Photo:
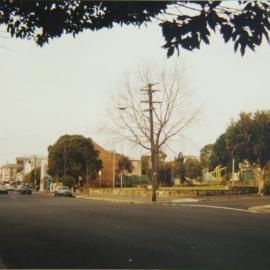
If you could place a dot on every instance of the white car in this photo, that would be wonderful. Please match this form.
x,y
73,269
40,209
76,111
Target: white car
x,y
63,191
10,187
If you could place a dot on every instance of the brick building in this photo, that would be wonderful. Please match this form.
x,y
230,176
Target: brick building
x,y
110,161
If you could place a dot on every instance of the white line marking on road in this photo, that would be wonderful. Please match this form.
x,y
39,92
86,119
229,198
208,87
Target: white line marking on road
x,y
218,207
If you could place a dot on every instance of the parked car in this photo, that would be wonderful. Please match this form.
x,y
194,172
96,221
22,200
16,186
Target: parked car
x,y
63,191
10,187
3,190
18,188
25,190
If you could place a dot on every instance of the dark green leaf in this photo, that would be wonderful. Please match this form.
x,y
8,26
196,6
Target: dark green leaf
x,y
170,51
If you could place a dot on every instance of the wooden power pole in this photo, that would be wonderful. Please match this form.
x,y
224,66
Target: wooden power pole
x,y
154,155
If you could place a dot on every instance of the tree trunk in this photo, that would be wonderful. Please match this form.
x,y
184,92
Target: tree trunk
x,y
154,191
259,177
154,174
261,182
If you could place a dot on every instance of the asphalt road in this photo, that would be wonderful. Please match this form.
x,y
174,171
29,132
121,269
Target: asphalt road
x,y
41,231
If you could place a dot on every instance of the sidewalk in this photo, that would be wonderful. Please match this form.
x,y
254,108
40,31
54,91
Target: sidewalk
x,y
120,199
264,209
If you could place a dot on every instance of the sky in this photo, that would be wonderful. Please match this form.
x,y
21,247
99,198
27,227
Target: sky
x,y
66,87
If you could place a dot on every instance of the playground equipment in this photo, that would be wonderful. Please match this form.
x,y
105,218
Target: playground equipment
x,y
245,170
217,172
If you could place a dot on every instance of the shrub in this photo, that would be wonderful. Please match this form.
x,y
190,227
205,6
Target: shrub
x,y
267,188
68,181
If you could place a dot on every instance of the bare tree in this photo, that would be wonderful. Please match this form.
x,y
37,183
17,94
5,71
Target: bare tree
x,y
170,103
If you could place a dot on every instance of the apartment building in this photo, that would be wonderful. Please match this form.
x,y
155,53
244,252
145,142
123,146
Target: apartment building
x,y
28,163
8,173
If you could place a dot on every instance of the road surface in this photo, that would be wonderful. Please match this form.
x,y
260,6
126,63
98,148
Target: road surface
x,y
42,231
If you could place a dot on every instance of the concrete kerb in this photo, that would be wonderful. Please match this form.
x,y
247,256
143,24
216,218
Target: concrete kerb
x,y
111,199
140,200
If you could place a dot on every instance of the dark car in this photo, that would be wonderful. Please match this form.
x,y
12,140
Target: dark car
x,y
25,190
3,190
63,191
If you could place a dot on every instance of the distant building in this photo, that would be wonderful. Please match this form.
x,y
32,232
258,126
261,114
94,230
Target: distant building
x,y
44,175
29,163
109,162
26,164
137,168
8,173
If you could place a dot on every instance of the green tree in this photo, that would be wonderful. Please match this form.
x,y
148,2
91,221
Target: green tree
x,y
146,165
68,181
164,168
179,170
161,158
124,165
238,136
205,155
193,168
184,24
74,156
249,137
220,155
165,171
33,177
164,176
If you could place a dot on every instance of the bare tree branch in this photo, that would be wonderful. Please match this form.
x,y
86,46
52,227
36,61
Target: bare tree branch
x,y
172,111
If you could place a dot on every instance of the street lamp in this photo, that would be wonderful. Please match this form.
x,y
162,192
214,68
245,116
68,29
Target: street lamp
x,y
113,169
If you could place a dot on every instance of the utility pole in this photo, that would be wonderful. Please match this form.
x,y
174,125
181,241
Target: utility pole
x,y
233,171
149,90
65,158
113,172
87,173
35,172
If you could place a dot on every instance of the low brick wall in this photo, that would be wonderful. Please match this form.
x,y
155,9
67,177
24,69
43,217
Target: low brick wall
x,y
244,190
169,192
129,192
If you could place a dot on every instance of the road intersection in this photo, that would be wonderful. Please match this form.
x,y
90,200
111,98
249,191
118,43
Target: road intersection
x,y
42,231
